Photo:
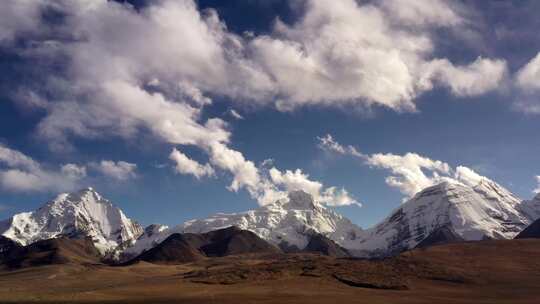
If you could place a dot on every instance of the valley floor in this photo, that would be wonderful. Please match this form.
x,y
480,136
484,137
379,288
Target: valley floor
x,y
471,272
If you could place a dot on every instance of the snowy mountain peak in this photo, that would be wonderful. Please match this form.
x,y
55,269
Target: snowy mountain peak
x,y
299,200
486,210
153,229
77,214
288,223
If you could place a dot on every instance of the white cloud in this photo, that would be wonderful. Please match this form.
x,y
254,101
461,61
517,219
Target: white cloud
x,y
235,114
154,71
468,176
268,185
13,158
527,81
18,17
345,54
528,77
119,170
186,165
480,76
424,12
328,143
245,173
123,108
337,54
20,173
537,190
74,171
410,173
297,180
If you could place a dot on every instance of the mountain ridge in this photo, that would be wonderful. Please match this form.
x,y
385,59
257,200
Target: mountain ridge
x,y
483,211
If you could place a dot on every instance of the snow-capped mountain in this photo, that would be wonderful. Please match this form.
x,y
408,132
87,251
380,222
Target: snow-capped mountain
x,y
485,211
83,213
289,222
482,211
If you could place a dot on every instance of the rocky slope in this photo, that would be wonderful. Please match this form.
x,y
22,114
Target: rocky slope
x,y
320,244
74,215
531,232
53,251
190,247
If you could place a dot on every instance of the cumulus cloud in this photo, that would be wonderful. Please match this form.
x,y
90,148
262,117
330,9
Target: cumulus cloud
x,y
269,185
119,170
528,85
297,180
410,173
424,12
345,53
154,72
480,76
74,171
21,173
186,165
337,54
18,17
528,76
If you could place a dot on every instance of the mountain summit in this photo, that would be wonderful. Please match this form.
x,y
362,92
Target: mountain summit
x,y
74,215
288,223
483,211
448,212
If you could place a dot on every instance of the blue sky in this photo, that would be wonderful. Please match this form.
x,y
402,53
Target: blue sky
x,y
101,95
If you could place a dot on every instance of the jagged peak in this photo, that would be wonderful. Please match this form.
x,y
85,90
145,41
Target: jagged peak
x,y
154,229
88,191
301,200
442,187
87,194
83,212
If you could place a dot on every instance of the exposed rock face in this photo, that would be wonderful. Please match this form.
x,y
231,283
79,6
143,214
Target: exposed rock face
x,y
74,215
320,244
232,241
53,251
190,247
443,235
177,248
531,232
7,244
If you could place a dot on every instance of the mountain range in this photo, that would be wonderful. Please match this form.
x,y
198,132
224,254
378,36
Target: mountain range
x,y
446,212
